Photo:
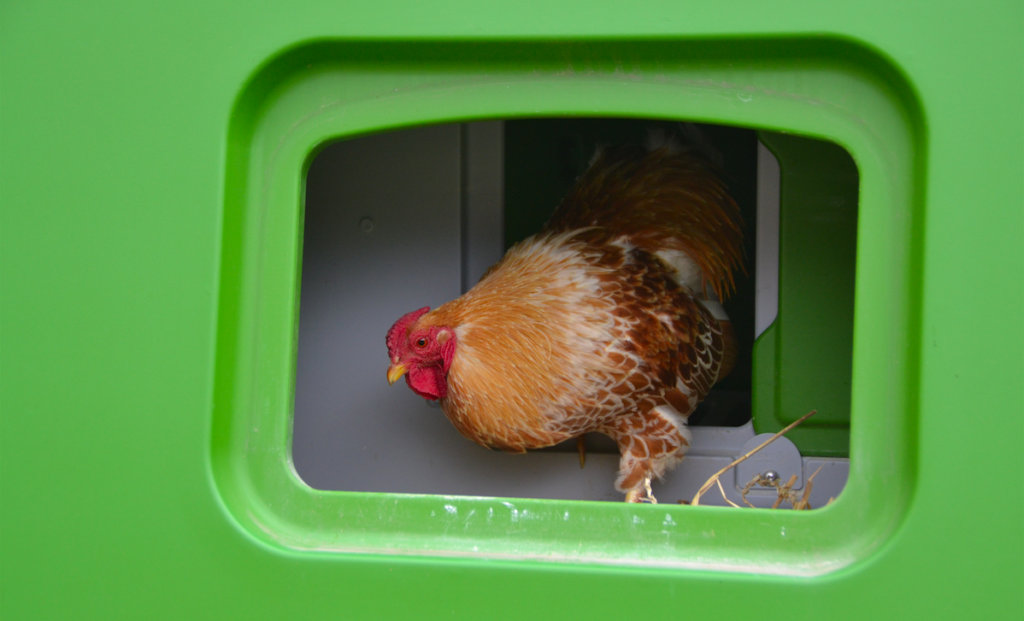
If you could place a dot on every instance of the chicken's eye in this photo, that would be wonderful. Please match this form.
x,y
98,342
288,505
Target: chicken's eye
x,y
421,343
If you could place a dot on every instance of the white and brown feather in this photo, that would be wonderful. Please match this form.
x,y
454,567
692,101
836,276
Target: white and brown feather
x,y
587,327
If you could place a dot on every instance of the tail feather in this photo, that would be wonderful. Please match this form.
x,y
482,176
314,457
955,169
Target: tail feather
x,y
661,201
689,139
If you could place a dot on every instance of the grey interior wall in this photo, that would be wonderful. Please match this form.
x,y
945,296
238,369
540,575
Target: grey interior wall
x,y
483,199
395,222
766,304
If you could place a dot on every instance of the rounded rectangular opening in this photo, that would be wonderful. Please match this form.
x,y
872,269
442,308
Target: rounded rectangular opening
x,y
409,218
326,92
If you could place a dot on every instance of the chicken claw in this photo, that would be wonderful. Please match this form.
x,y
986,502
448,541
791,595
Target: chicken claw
x,y
638,495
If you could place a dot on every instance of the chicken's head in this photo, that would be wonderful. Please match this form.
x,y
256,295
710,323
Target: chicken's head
x,y
422,352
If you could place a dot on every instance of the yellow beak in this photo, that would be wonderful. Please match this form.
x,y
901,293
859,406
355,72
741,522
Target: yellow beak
x,y
395,372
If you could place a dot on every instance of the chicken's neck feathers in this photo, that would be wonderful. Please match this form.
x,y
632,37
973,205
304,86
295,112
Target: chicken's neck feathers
x,y
532,336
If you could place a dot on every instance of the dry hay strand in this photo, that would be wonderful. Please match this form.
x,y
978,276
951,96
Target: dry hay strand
x,y
785,492
716,476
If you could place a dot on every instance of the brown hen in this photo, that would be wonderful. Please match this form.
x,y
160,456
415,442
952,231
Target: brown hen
x,y
607,320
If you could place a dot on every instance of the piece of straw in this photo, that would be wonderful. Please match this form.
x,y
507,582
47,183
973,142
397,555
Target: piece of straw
x,y
722,489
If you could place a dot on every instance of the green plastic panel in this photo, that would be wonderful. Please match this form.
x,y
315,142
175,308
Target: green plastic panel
x,y
151,166
803,361
326,91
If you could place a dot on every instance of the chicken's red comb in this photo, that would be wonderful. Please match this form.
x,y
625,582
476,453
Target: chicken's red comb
x,y
397,331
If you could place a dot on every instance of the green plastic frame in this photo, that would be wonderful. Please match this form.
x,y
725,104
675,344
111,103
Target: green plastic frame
x,y
325,91
809,344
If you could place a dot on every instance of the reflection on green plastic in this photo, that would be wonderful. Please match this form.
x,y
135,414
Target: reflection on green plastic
x,y
322,92
803,360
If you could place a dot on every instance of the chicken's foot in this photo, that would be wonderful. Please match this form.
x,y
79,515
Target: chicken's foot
x,y
642,493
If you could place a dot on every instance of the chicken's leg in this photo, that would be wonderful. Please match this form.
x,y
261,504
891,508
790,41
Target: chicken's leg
x,y
651,441
637,494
